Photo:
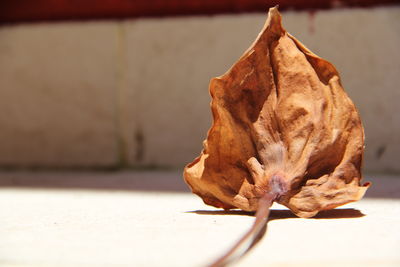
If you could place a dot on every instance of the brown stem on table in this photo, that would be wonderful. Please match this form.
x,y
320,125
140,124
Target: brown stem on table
x,y
251,238
277,187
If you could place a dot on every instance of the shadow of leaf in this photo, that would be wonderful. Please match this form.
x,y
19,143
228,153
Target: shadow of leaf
x,y
276,214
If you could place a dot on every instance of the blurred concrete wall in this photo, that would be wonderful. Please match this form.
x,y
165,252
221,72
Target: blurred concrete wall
x,y
135,93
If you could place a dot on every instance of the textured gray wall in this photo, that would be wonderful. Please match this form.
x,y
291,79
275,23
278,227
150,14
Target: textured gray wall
x,y
104,94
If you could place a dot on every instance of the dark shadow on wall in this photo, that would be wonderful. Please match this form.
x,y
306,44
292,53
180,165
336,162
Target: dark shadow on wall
x,y
383,186
110,180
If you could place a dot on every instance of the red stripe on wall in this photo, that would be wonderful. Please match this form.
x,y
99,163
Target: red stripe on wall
x,y
39,10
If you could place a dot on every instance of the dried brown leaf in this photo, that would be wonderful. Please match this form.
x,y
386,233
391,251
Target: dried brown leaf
x,y
283,125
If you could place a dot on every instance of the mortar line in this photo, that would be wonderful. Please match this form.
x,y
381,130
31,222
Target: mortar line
x,y
121,86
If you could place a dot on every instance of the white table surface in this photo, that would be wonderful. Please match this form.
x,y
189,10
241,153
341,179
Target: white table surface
x,y
150,219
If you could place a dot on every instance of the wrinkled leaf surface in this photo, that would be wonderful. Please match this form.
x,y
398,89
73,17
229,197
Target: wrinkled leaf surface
x,y
280,111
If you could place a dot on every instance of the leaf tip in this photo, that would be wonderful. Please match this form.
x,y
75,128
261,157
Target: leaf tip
x,y
274,21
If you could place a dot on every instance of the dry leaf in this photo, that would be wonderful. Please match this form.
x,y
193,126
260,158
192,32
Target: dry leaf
x,y
283,126
284,130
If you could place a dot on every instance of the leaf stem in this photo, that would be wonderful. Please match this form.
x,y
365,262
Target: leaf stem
x,y
249,239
